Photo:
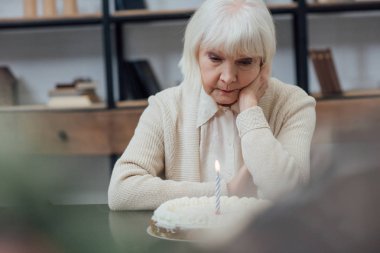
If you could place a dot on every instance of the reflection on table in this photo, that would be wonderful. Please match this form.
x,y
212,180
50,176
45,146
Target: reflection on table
x,y
129,231
80,228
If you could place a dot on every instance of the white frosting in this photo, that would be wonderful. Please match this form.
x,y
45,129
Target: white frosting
x,y
199,213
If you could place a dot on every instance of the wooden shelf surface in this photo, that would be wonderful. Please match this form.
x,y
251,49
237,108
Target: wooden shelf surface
x,y
350,94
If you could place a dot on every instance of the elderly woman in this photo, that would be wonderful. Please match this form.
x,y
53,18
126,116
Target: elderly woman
x,y
227,109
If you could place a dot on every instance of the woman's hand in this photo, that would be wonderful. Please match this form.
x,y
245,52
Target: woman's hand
x,y
251,95
242,184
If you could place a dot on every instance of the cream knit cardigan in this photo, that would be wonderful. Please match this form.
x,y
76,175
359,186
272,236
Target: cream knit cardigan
x,y
162,160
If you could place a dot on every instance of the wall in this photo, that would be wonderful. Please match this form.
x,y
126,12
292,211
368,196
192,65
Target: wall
x,y
42,57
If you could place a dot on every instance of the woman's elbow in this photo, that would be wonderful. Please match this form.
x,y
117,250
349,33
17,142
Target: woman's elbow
x,y
115,201
119,196
124,198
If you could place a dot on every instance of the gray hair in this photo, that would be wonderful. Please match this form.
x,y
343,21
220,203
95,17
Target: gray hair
x,y
239,27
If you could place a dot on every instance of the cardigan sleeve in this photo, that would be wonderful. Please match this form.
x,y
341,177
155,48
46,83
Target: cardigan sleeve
x,y
137,181
278,163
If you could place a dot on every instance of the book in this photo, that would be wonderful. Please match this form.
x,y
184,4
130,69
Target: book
x,y
130,87
146,76
79,83
317,58
70,91
69,102
314,56
74,89
138,80
326,73
129,4
332,73
132,103
8,82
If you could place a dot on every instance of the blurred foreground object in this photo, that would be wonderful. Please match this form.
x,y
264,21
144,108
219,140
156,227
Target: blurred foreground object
x,y
338,214
19,236
339,211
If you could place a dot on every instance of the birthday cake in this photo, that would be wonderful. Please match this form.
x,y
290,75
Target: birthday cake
x,y
187,218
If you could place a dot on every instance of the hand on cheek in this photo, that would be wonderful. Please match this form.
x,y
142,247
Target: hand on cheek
x,y
251,95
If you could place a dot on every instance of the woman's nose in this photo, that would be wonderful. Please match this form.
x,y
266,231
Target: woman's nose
x,y
228,74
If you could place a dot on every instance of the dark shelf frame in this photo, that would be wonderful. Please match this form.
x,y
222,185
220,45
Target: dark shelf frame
x,y
343,7
107,54
45,23
300,44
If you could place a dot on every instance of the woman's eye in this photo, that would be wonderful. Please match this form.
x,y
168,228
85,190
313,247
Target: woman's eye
x,y
245,62
214,58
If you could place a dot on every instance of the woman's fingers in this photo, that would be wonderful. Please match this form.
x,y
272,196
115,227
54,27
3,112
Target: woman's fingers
x,y
264,76
250,95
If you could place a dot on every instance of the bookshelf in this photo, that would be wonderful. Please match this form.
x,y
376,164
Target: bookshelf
x,y
299,11
111,24
119,18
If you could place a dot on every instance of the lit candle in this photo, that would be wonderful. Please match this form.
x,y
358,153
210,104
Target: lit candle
x,y
217,188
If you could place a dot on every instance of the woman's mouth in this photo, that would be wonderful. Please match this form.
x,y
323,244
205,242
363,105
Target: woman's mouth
x,y
226,91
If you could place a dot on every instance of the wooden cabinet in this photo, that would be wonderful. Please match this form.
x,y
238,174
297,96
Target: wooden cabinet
x,y
68,132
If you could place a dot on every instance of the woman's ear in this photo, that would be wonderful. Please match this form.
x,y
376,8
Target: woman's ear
x,y
265,71
262,62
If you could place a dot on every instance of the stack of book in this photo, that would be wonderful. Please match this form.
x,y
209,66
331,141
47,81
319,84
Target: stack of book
x,y
80,93
325,71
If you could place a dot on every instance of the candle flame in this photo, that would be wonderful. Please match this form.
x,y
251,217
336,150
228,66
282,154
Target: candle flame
x,y
217,166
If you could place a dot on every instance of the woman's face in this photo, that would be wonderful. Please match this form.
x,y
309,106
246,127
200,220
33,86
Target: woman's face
x,y
224,76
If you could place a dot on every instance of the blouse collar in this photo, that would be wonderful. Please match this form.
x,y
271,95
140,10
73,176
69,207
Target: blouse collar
x,y
207,108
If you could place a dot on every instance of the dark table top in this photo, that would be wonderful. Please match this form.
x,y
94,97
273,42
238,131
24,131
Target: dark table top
x,y
94,228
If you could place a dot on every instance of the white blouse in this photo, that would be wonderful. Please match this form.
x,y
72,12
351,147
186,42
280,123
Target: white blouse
x,y
219,139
